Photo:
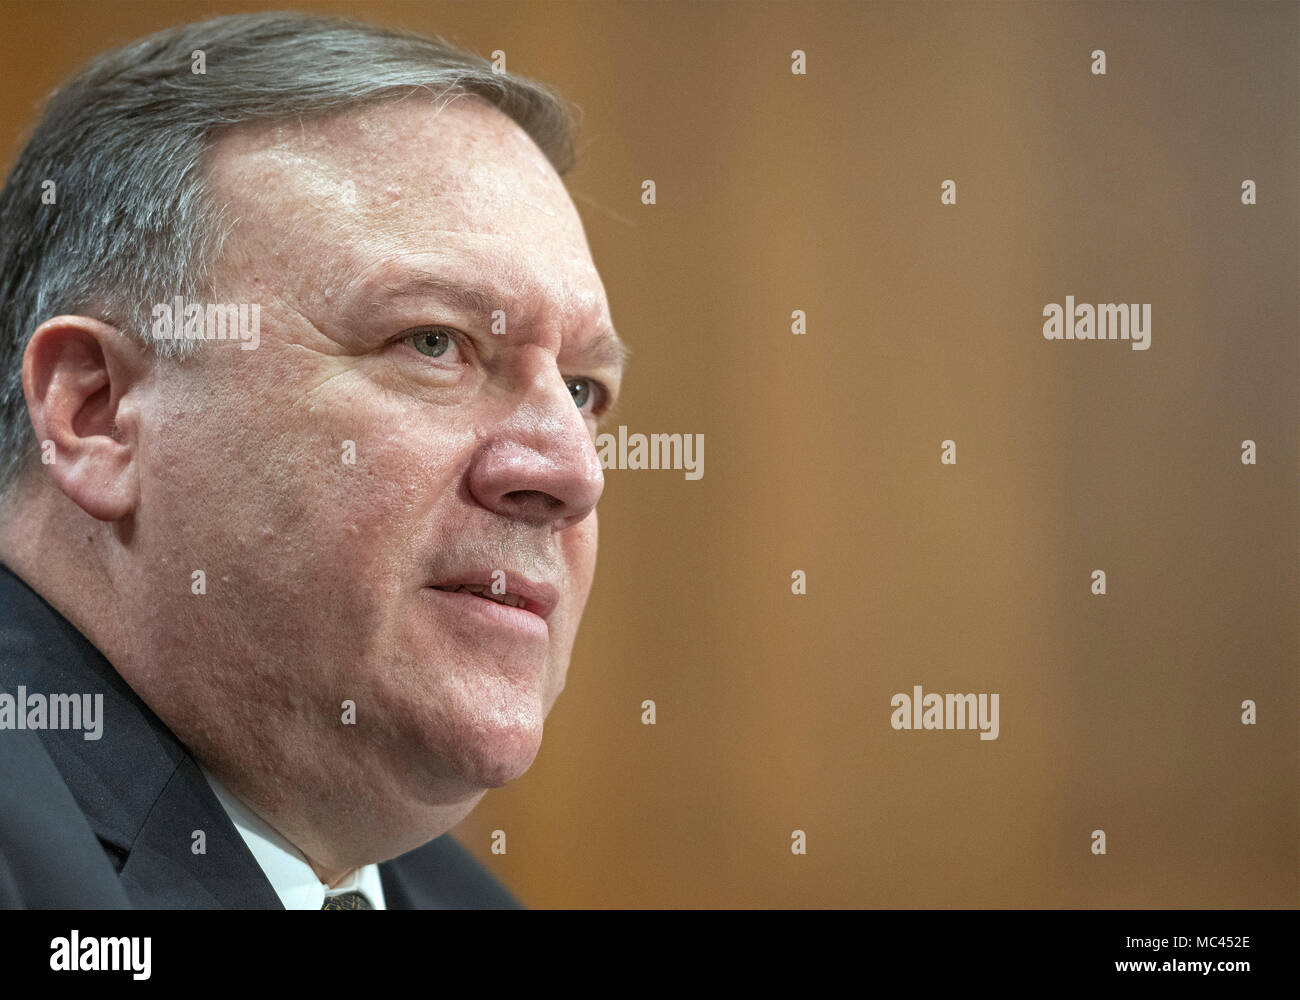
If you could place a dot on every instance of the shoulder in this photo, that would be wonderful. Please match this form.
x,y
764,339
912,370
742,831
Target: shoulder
x,y
442,875
49,856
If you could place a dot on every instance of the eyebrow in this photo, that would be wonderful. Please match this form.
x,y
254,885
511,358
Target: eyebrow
x,y
606,350
466,298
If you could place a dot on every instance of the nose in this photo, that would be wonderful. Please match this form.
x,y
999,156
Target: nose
x,y
539,464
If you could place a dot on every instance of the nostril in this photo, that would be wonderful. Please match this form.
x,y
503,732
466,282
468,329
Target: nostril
x,y
534,496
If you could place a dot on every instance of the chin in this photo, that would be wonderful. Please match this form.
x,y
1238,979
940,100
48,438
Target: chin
x,y
498,758
485,748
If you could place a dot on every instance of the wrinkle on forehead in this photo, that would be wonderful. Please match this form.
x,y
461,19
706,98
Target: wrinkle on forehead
x,y
316,194
413,154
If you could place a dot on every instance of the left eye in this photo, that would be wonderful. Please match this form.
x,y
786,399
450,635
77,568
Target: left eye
x,y
432,343
581,389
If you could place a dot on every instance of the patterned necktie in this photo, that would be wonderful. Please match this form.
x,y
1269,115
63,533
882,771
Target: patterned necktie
x,y
347,901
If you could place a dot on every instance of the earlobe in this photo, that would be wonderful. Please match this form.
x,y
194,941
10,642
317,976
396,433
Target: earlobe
x,y
79,377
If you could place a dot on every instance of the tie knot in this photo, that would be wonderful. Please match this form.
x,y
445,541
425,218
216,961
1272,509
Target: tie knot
x,y
347,901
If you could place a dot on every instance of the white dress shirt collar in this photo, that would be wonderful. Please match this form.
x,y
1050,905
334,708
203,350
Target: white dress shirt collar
x,y
286,869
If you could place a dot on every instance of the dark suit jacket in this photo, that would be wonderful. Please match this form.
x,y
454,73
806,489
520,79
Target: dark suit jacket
x,y
107,823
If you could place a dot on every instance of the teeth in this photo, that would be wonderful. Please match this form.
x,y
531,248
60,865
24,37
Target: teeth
x,y
513,600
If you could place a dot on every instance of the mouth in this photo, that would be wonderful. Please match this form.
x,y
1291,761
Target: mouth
x,y
506,589
511,600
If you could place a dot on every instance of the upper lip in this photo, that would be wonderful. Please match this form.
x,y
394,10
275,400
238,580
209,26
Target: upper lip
x,y
538,598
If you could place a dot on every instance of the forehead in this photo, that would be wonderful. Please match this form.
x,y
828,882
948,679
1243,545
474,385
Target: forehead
x,y
332,195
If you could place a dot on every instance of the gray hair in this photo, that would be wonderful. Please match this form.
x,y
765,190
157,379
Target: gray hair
x,y
124,144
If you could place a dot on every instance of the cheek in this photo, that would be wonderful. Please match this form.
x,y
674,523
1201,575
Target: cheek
x,y
300,486
579,545
370,461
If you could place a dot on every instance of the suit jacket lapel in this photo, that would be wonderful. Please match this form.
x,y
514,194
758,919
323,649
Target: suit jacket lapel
x,y
139,789
163,869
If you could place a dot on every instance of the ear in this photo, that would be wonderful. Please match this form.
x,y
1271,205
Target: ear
x,y
82,378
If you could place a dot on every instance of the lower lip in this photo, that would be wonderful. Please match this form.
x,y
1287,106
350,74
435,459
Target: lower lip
x,y
501,616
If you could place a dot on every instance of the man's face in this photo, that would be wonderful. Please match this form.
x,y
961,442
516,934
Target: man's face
x,y
379,245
